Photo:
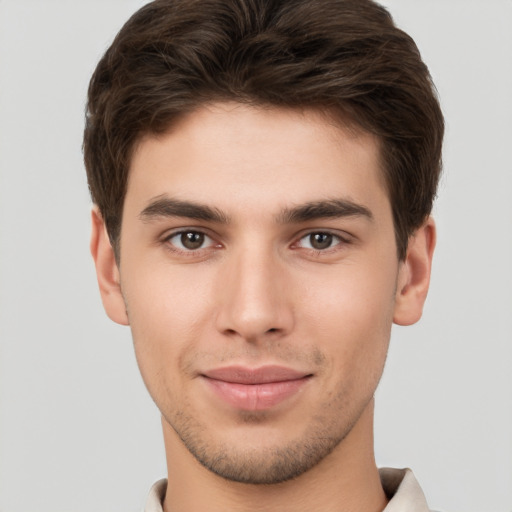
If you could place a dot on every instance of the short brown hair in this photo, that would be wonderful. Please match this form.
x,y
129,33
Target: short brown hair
x,y
343,56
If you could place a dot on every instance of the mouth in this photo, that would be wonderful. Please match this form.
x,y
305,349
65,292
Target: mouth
x,y
255,389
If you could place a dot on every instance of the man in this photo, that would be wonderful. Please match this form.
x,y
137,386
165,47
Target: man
x,y
263,174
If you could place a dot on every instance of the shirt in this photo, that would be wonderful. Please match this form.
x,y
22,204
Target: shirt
x,y
400,486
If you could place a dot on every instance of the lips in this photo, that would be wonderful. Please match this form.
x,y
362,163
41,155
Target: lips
x,y
255,389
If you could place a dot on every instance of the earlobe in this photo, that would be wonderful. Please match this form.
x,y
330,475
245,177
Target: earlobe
x,y
107,270
414,275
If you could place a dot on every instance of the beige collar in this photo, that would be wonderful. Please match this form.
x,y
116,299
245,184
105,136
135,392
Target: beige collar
x,y
400,486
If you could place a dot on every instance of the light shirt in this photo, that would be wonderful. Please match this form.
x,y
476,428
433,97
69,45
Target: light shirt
x,y
400,486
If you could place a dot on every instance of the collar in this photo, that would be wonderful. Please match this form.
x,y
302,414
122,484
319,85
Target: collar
x,y
403,491
400,486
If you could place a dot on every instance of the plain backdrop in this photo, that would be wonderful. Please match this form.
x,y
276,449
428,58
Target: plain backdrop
x,y
78,431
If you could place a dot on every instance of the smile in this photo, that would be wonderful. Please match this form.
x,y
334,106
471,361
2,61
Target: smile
x,y
255,390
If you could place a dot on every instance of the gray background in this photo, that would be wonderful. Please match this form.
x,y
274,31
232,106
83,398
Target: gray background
x,y
78,431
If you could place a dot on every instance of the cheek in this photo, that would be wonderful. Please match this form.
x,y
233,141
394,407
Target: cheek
x,y
168,313
350,314
166,299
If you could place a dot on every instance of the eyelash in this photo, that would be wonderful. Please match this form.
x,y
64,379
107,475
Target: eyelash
x,y
337,239
188,252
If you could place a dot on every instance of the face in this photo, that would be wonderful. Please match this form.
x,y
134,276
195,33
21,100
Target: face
x,y
259,275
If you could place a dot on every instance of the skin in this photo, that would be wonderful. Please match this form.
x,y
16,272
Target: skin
x,y
260,290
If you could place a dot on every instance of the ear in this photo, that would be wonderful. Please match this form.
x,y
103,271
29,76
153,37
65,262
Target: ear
x,y
107,271
414,275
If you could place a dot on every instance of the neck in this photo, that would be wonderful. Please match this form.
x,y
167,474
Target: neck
x,y
347,479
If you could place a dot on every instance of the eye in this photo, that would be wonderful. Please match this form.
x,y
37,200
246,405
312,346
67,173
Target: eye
x,y
190,240
319,241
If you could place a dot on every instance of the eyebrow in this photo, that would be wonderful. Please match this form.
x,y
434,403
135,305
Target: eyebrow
x,y
331,208
163,206
168,207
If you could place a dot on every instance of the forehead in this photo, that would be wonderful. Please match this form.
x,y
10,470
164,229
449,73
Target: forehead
x,y
237,155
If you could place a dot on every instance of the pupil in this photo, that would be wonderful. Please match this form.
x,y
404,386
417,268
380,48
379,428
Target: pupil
x,y
192,240
321,240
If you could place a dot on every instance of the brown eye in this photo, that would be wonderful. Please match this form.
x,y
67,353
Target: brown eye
x,y
192,240
320,241
187,241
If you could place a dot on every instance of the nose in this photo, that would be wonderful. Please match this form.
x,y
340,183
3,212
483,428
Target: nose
x,y
254,297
